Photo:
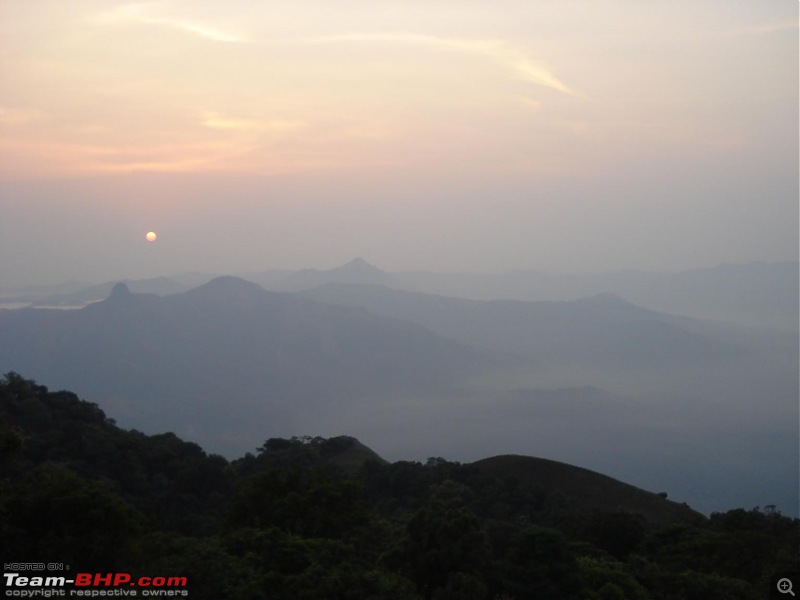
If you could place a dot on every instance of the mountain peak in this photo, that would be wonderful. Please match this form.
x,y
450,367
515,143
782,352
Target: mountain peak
x,y
230,282
119,292
228,288
359,265
121,298
357,271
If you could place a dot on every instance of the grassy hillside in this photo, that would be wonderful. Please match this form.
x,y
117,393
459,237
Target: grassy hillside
x,y
578,491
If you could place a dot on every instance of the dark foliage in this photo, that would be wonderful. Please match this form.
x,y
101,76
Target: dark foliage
x,y
326,518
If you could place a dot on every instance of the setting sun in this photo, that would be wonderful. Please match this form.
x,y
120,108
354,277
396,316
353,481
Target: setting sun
x,y
151,236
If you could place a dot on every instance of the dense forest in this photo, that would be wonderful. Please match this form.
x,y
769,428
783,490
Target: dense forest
x,y
328,518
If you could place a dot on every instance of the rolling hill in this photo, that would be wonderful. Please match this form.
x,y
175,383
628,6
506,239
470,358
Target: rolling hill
x,y
576,491
701,408
602,330
227,362
308,516
760,294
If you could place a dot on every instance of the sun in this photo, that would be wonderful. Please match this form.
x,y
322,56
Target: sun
x,y
151,236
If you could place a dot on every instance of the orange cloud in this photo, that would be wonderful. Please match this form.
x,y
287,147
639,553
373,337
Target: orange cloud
x,y
504,54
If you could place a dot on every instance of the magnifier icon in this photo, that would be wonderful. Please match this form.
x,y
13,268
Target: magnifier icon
x,y
785,586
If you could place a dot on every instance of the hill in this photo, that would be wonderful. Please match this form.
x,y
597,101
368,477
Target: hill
x,y
757,294
290,522
357,271
595,381
761,294
71,297
166,362
602,330
576,491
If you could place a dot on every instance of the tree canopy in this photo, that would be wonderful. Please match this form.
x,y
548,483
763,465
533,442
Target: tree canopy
x,y
310,517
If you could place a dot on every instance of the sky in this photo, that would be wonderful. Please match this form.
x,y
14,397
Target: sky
x,y
457,135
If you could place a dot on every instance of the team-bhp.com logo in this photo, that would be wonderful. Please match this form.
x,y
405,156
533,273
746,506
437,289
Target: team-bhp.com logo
x,y
93,585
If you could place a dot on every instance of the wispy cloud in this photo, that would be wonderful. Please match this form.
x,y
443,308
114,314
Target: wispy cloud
x,y
774,27
215,120
154,13
763,28
509,57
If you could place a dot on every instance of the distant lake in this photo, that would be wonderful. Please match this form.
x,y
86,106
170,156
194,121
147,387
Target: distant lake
x,y
16,305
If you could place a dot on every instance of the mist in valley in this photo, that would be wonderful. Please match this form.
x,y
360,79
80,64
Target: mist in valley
x,y
703,410
577,229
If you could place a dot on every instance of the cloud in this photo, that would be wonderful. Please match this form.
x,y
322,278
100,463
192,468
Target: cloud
x,y
757,29
767,28
153,13
509,57
216,120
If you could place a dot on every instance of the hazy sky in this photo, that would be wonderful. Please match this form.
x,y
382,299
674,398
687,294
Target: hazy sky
x,y
578,135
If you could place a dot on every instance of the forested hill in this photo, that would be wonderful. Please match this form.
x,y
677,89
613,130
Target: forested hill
x,y
313,517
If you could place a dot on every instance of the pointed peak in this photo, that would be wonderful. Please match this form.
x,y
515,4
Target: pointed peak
x,y
356,271
121,297
358,264
119,291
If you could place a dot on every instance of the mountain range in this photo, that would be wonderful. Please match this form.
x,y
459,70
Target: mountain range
x,y
762,294
166,361
702,408
602,330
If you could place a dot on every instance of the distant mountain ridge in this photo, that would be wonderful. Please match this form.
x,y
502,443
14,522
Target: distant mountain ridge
x,y
596,381
357,271
762,294
603,329
86,294
169,359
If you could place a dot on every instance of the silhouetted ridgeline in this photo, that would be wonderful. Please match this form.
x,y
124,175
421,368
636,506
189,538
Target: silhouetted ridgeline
x,y
596,381
273,357
754,294
600,331
328,518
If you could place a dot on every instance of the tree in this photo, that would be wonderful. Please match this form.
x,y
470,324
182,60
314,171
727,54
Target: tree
x,y
445,542
55,512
